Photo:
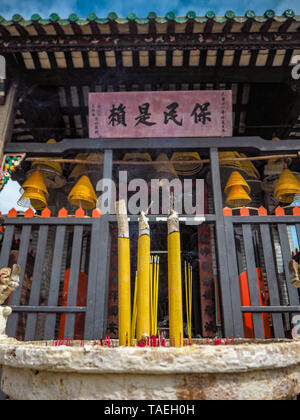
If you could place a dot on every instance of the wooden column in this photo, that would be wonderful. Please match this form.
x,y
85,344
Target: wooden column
x,y
7,118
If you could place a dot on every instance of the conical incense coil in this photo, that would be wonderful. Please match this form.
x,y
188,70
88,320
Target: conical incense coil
x,y
137,157
33,198
287,187
245,166
55,166
236,179
186,168
35,181
165,169
83,194
80,168
238,197
286,195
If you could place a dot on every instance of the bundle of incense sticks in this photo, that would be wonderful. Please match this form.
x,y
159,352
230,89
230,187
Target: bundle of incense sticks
x,y
134,312
188,277
154,283
64,342
218,341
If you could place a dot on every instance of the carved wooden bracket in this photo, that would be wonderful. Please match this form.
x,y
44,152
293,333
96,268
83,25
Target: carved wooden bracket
x,y
8,166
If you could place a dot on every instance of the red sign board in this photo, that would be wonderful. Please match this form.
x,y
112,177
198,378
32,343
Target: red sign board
x,y
160,114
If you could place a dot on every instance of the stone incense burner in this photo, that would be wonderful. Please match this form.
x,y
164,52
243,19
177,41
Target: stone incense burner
x,y
246,370
260,370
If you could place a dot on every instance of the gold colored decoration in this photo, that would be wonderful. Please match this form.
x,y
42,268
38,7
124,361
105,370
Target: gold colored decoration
x,y
236,179
287,187
83,194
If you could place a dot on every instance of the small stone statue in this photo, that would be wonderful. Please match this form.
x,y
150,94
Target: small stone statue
x,y
9,282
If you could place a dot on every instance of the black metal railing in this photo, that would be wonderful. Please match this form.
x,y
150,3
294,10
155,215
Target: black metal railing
x,y
275,249
63,227
283,297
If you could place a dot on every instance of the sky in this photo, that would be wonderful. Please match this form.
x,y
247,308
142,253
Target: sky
x,y
141,7
9,197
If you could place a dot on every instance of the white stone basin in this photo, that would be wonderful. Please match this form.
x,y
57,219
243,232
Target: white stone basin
x,y
261,370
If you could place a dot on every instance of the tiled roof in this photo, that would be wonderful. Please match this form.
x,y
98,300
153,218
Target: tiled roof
x,y
37,25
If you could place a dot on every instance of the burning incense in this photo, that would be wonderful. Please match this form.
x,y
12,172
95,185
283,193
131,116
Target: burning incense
x,y
124,274
174,281
154,281
190,300
151,279
134,313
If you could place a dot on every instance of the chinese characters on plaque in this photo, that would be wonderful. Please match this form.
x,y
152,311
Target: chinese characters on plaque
x,y
160,114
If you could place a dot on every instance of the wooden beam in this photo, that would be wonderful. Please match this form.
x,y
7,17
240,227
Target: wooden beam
x,y
153,75
7,118
247,144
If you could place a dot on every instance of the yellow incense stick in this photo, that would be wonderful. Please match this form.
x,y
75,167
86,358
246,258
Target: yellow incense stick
x,y
188,280
134,314
156,296
143,294
175,281
190,300
151,292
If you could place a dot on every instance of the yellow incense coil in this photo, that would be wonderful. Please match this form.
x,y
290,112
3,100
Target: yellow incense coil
x,y
80,168
248,167
236,179
286,187
124,301
56,166
138,157
229,155
165,168
238,197
35,181
186,168
83,194
33,198
287,180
